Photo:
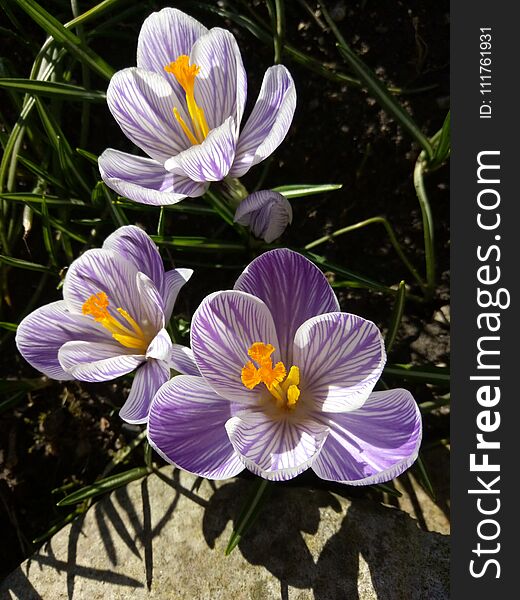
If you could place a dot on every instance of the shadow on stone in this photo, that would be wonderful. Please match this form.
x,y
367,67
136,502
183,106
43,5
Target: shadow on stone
x,y
376,548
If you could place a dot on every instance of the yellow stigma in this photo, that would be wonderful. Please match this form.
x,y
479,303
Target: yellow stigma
x,y
185,74
284,390
130,337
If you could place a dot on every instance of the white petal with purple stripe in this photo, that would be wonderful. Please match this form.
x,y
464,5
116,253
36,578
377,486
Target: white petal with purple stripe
x,y
269,121
142,103
43,332
132,243
182,360
373,444
275,448
160,347
145,180
164,36
266,213
97,361
221,85
223,328
186,427
209,161
293,288
341,357
148,379
173,282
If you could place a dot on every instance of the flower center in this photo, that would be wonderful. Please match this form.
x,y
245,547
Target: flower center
x,y
284,389
185,74
130,337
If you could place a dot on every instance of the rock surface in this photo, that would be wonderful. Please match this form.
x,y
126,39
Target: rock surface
x,y
164,538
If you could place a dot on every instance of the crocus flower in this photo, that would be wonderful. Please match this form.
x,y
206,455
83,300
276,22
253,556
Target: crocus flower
x,y
266,213
183,106
116,302
282,381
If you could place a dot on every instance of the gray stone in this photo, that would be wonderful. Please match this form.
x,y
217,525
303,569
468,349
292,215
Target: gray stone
x,y
164,538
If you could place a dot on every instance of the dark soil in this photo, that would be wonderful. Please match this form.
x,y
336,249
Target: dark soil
x,y
66,434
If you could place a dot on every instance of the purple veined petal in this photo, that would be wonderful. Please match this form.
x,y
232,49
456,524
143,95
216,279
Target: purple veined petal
x,y
152,305
186,426
43,332
374,443
269,121
293,288
100,270
340,357
142,103
275,449
223,328
209,161
221,85
144,180
148,379
97,361
174,280
160,347
132,243
164,36
183,361
266,213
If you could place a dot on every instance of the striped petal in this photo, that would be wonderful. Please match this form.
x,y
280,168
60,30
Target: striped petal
x,y
374,443
209,161
186,427
148,379
100,270
341,357
292,287
152,305
173,282
276,449
97,361
182,360
221,85
145,180
164,36
269,121
160,347
132,243
43,332
142,103
223,329
266,213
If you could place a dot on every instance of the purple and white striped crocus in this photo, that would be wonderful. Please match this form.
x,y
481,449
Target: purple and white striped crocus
x,y
111,321
281,381
183,105
267,214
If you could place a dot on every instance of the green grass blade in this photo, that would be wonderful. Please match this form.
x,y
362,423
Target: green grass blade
x,y
375,87
104,486
397,315
425,374
25,264
62,35
51,89
301,190
249,513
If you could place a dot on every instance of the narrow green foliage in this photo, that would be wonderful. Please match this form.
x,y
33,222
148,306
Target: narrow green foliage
x,y
397,315
301,190
104,486
52,89
249,513
62,35
425,374
25,264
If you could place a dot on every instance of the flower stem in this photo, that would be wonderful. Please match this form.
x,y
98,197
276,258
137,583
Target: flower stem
x,y
391,235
